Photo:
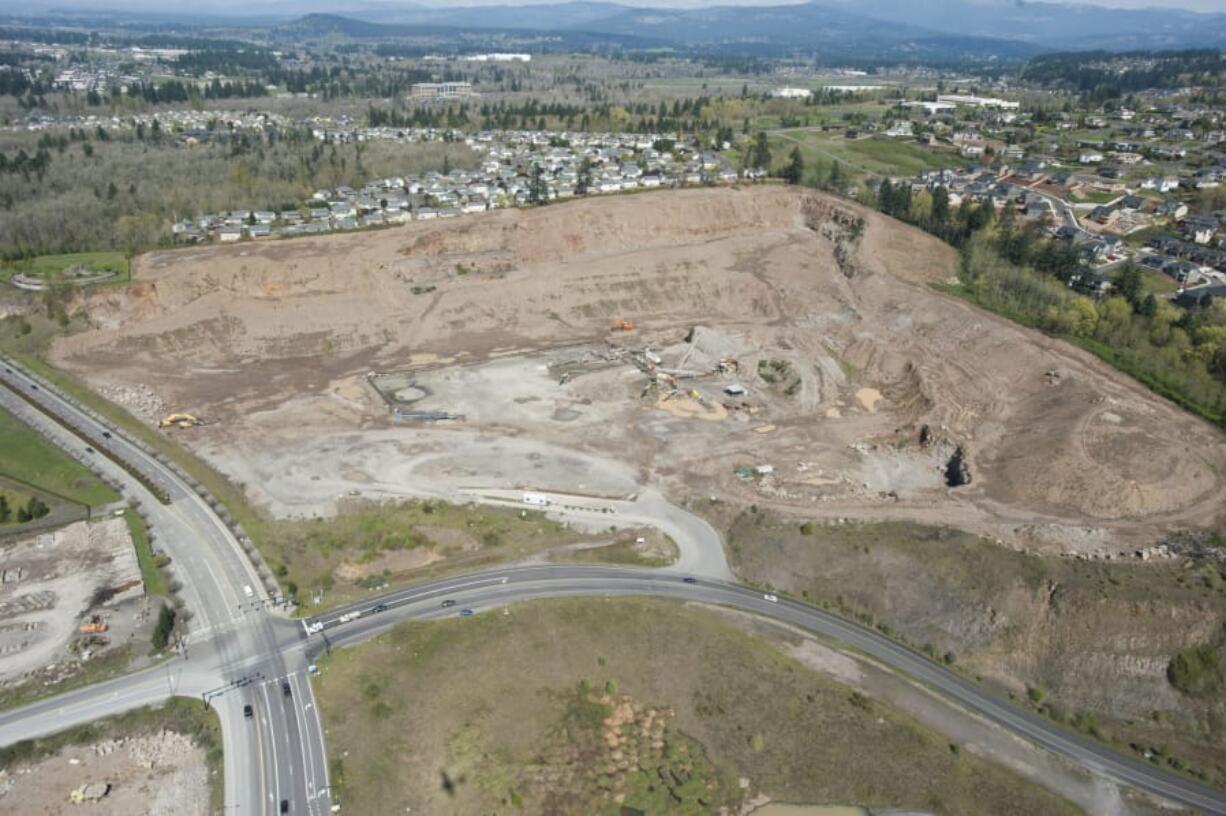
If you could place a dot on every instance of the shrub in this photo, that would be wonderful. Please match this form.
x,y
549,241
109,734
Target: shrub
x,y
1197,671
165,625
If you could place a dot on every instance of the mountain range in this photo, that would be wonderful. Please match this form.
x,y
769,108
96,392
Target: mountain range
x,y
1004,27
867,28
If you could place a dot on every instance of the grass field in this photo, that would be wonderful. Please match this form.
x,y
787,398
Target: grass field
x,y
150,573
1077,629
508,713
45,266
369,545
27,457
894,157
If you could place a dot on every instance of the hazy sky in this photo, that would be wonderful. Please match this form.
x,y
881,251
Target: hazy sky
x,y
242,6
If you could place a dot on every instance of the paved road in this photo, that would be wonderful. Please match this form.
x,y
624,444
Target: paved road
x,y
239,654
498,587
700,548
232,649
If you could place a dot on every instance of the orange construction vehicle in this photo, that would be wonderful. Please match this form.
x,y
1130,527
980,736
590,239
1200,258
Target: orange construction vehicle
x,y
623,325
92,628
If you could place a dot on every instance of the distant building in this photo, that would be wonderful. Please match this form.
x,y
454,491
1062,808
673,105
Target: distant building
x,y
440,90
791,93
978,101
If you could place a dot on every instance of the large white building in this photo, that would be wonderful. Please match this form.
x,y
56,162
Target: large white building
x,y
791,93
440,90
979,101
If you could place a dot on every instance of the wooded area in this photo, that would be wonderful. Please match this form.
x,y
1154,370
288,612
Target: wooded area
x,y
59,194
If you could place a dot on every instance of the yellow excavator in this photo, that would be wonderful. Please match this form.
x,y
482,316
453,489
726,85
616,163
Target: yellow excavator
x,y
179,420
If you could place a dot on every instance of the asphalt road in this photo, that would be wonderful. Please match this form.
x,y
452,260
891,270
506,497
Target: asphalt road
x,y
231,656
239,653
499,587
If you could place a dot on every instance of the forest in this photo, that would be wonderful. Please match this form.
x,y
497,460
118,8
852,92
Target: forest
x,y
60,194
1103,75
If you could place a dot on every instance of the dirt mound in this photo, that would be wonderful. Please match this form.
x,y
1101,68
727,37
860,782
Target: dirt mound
x,y
861,380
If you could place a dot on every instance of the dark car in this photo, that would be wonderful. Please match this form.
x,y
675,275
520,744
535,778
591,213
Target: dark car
x,y
35,387
285,688
690,580
88,449
106,434
247,712
285,806
379,608
466,613
447,604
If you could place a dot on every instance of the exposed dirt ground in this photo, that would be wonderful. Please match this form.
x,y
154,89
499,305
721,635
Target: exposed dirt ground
x,y
847,353
51,583
158,775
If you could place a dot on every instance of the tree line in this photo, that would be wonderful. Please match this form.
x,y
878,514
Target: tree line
x,y
1017,271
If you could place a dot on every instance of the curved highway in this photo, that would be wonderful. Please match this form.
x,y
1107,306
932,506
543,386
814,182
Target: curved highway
x,y
499,587
277,753
239,654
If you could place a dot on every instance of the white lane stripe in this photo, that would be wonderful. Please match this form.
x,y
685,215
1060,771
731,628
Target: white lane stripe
x,y
272,741
303,738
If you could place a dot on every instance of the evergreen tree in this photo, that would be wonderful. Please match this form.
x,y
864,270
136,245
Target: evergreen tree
x,y
760,154
794,173
940,205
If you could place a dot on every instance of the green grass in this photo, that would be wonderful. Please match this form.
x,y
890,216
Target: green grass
x,y
899,156
150,573
180,714
44,266
27,457
369,545
28,352
17,495
1196,671
1156,282
507,705
881,156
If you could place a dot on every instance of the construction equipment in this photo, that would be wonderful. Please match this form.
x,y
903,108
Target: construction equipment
x,y
94,626
179,420
624,325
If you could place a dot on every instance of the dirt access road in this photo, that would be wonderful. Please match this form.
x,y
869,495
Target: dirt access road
x,y
862,381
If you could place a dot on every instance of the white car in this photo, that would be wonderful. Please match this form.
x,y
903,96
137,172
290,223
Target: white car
x,y
248,591
771,598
